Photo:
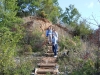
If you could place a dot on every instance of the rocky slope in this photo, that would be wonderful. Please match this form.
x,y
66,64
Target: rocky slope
x,y
41,24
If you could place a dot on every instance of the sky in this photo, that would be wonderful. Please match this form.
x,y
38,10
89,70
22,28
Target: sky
x,y
87,8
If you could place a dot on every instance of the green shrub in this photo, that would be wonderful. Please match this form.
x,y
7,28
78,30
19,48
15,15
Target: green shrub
x,y
37,41
24,67
70,43
87,69
82,30
32,42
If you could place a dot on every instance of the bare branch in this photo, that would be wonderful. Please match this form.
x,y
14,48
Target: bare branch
x,y
90,22
95,19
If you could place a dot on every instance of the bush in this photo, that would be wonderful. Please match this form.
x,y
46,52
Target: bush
x,y
70,43
87,69
36,41
24,67
32,42
82,30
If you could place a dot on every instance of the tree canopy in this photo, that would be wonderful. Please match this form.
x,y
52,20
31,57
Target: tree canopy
x,y
10,34
44,8
70,15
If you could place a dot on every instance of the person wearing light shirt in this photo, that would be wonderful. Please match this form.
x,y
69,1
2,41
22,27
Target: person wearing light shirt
x,y
54,32
49,34
54,45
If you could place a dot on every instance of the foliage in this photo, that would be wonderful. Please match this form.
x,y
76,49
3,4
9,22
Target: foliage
x,y
70,44
31,42
82,29
11,32
51,9
24,67
86,69
43,8
8,13
36,41
8,44
74,64
13,37
70,15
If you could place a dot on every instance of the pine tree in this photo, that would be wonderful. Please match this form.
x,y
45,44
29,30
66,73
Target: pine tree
x,y
10,34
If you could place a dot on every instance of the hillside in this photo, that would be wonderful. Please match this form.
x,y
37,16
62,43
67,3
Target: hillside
x,y
42,24
26,44
23,44
72,51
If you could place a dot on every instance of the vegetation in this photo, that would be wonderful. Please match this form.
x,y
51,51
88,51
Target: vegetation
x,y
82,29
77,61
15,40
32,42
43,8
70,15
11,32
70,43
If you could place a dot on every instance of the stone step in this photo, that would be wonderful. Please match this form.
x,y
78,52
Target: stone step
x,y
49,45
41,74
48,59
46,74
47,65
49,54
45,71
49,51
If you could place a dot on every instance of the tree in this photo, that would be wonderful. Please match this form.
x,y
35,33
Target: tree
x,y
28,7
71,14
8,13
10,34
51,8
43,8
82,29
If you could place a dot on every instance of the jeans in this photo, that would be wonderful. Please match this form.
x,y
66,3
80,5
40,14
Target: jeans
x,y
54,48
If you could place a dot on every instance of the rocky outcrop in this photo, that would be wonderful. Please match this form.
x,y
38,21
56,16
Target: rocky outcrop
x,y
35,23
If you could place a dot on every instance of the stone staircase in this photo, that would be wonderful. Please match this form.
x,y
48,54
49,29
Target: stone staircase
x,y
47,64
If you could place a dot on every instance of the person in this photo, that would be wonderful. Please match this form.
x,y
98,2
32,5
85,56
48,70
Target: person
x,y
54,45
49,34
54,32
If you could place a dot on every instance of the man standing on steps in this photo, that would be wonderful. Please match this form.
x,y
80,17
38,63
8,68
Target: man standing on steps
x,y
56,35
54,45
49,34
